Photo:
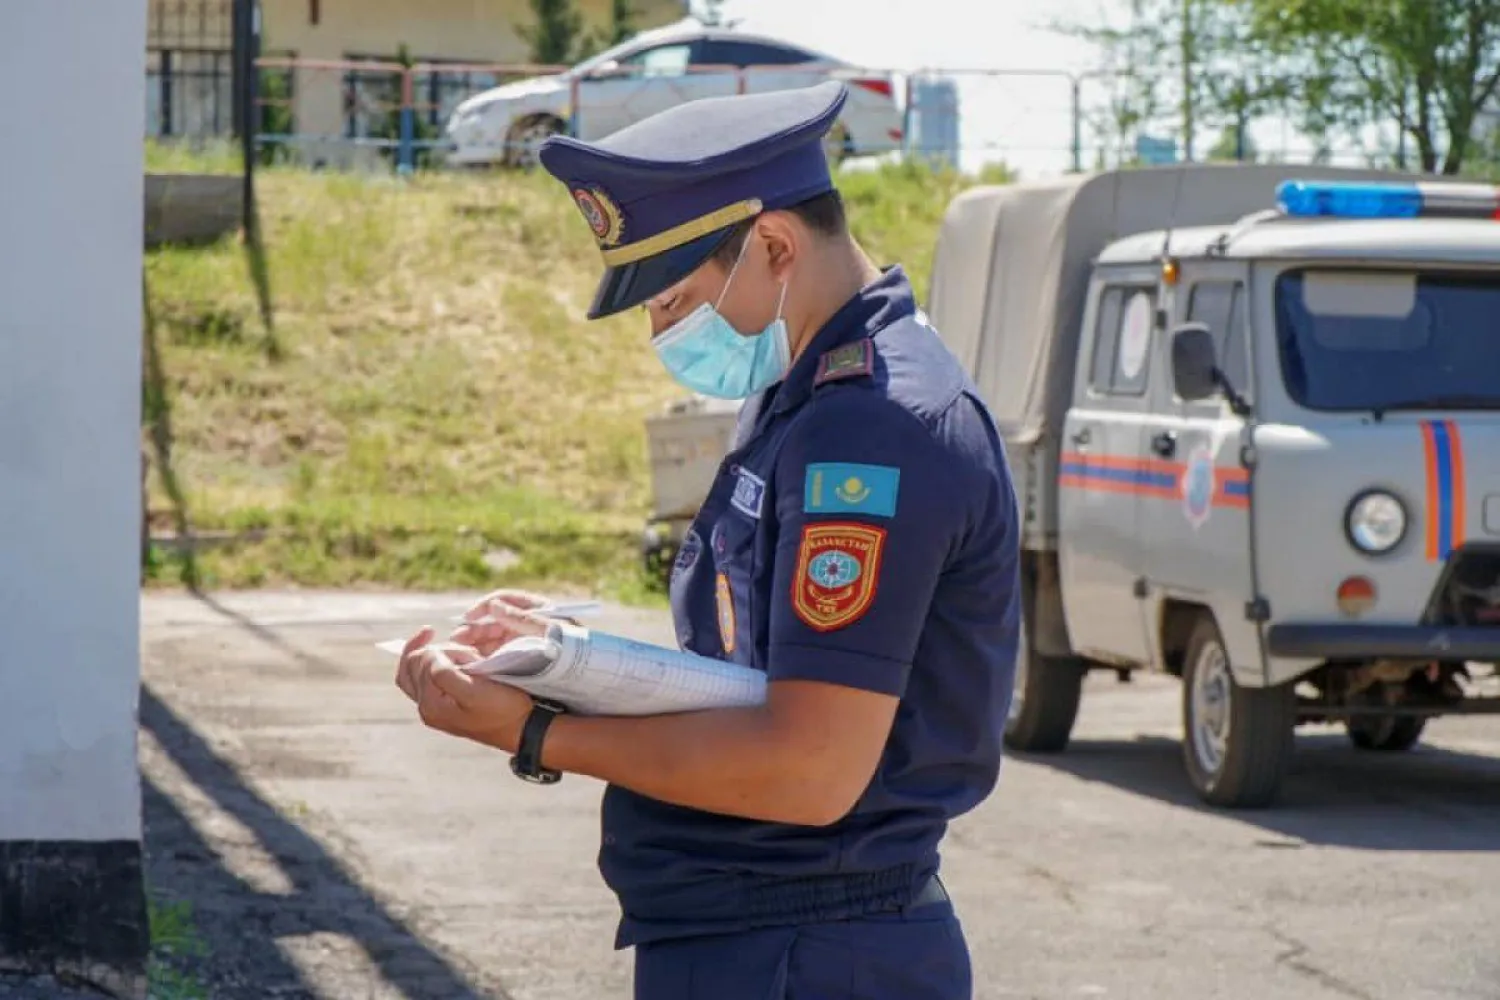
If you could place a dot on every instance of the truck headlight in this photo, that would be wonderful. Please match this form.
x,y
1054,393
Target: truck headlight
x,y
1376,522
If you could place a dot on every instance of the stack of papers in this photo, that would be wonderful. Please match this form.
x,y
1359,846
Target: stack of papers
x,y
593,673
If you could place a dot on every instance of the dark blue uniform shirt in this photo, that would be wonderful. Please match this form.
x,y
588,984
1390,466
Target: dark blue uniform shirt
x,y
862,532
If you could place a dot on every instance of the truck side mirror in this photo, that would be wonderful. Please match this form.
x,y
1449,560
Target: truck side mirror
x,y
1194,366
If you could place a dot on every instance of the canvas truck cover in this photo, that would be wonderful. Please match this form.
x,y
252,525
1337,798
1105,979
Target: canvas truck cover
x,y
1010,272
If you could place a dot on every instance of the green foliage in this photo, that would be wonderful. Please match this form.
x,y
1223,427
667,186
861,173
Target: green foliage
x,y
386,90
1430,66
193,156
436,420
1234,145
1336,67
556,32
1183,66
622,24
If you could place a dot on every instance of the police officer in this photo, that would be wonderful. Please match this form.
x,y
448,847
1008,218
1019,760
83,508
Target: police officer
x,y
859,545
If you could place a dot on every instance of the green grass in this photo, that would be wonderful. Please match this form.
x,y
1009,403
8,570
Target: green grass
x,y
174,946
428,396
210,156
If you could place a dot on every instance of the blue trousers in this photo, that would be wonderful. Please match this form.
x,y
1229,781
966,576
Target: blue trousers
x,y
917,955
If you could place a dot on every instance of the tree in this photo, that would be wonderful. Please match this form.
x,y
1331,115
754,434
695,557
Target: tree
x,y
1430,66
1131,63
621,21
556,32
1233,145
1192,61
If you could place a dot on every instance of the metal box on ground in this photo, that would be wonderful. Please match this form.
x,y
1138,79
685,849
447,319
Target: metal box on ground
x,y
685,445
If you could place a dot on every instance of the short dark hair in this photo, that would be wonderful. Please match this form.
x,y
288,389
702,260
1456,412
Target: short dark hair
x,y
823,214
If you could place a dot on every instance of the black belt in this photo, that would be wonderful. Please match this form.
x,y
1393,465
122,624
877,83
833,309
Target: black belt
x,y
930,894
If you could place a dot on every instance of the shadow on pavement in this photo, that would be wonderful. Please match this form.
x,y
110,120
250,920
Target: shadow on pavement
x,y
241,925
1428,799
313,664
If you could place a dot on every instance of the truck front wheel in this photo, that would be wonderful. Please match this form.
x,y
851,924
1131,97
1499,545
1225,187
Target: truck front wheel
x,y
1045,702
1237,741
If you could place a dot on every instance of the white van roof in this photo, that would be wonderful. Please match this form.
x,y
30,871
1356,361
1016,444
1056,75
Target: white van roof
x,y
1011,268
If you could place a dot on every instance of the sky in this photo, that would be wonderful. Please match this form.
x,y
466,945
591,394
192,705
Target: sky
x,y
1024,120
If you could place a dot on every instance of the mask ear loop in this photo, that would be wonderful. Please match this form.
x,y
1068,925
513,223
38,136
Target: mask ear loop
x,y
730,280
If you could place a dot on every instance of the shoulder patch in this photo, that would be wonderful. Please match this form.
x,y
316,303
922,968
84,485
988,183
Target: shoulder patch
x,y
848,361
838,570
847,488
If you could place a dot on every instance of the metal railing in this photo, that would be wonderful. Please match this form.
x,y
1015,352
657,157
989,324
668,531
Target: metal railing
x,y
390,115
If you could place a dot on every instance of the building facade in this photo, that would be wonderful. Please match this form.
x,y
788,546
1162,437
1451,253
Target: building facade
x,y
310,92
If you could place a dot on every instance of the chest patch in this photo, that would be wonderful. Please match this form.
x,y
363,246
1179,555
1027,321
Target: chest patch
x,y
838,570
749,491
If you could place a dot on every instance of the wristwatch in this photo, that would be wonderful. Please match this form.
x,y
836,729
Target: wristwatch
x,y
527,761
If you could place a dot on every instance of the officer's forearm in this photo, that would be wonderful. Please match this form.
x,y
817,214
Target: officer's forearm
x,y
792,761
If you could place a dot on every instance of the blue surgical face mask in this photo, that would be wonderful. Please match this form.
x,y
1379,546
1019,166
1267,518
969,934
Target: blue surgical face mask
x,y
704,352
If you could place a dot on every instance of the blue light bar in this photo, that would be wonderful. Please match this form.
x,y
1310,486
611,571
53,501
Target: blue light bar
x,y
1388,200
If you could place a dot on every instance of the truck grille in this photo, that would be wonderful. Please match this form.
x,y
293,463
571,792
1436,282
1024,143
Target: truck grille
x,y
1468,593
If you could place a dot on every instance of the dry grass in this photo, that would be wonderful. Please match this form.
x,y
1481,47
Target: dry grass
x,y
429,392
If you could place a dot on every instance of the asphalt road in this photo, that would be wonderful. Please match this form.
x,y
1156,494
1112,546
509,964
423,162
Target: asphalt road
x,y
331,847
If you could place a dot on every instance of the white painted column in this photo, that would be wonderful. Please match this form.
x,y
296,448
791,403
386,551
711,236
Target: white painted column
x,y
72,99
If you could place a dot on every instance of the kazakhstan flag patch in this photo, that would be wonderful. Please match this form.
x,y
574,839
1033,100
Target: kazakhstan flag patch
x,y
841,488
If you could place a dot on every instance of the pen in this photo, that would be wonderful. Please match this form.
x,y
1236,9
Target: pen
x,y
574,609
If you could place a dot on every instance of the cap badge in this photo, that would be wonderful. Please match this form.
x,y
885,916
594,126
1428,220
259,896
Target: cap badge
x,y
602,215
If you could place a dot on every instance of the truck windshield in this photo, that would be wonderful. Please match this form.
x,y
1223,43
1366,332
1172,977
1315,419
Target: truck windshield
x,y
1389,340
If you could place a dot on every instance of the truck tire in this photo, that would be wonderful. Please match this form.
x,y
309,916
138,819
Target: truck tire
x,y
1237,741
1045,703
1391,734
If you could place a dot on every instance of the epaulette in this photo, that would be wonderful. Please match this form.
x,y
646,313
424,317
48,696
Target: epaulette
x,y
848,361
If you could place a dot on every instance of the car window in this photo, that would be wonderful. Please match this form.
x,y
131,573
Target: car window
x,y
664,60
1221,305
726,52
1122,340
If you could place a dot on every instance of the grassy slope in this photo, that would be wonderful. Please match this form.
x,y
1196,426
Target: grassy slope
x,y
429,392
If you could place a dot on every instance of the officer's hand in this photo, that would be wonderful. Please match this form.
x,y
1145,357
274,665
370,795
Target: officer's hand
x,y
460,704
525,600
418,655
505,621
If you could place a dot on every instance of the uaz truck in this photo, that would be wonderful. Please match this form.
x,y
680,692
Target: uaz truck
x,y
1253,414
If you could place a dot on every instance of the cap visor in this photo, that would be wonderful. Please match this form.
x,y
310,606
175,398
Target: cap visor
x,y
631,284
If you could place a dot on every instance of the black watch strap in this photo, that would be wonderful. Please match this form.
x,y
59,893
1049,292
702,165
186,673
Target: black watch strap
x,y
527,761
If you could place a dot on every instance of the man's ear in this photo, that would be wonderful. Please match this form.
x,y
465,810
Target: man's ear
x,y
782,238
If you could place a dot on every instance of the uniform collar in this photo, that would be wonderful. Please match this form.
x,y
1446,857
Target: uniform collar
x,y
873,308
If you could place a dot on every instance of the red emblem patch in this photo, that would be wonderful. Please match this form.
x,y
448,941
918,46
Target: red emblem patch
x,y
593,212
838,568
602,215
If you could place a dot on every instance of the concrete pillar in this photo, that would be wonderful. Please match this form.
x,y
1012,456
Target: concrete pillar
x,y
72,96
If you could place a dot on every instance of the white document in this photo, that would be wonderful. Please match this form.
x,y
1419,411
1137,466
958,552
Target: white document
x,y
593,673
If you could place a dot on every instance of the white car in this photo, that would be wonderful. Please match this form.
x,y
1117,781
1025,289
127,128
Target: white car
x,y
656,70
